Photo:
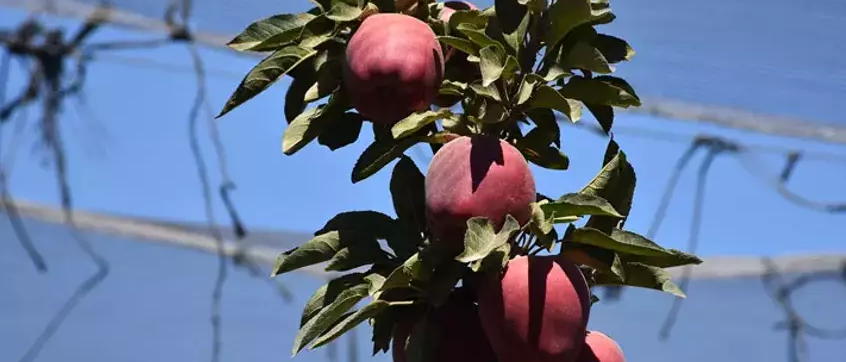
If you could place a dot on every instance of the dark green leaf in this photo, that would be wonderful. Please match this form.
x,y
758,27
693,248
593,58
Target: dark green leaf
x,y
383,326
328,80
295,96
645,276
271,33
265,73
416,121
341,131
547,97
326,294
328,316
479,37
673,258
614,49
604,115
310,124
604,261
367,312
373,223
481,239
317,32
600,90
365,252
545,121
577,205
343,12
443,281
408,193
565,15
413,269
616,183
379,154
543,155
514,20
584,56
461,44
620,241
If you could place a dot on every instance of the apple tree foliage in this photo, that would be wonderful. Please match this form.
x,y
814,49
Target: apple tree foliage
x,y
537,62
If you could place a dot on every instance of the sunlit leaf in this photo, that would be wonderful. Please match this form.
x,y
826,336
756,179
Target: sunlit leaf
x,y
481,238
265,73
271,33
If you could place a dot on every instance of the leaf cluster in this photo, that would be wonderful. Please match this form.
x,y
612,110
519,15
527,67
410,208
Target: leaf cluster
x,y
517,68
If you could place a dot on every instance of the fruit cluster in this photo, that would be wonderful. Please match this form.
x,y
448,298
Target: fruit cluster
x,y
479,265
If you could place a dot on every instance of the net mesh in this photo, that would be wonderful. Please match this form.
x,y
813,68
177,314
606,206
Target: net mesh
x,y
780,58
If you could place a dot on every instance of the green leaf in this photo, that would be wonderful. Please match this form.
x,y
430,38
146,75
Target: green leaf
x,y
564,16
302,130
492,64
645,276
310,124
378,155
673,258
494,262
270,33
351,321
373,223
327,293
481,239
383,326
584,56
452,88
526,90
616,183
408,192
343,12
479,37
554,73
328,80
604,115
514,20
365,253
488,92
619,241
319,249
603,260
461,44
265,73
606,90
412,269
317,32
542,220
328,316
547,97
416,121
443,281
474,19
577,205
545,122
542,154
295,96
614,49
342,131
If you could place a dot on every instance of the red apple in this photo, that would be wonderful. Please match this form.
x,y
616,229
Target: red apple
x,y
394,66
537,311
600,348
474,176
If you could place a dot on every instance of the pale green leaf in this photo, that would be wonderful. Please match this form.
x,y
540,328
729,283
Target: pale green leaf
x,y
481,239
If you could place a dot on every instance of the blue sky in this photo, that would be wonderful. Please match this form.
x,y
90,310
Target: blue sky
x,y
131,156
